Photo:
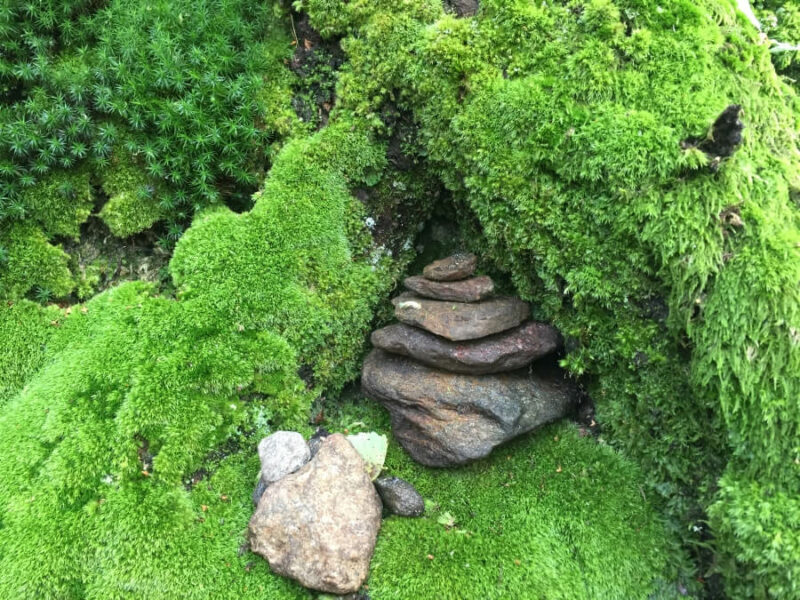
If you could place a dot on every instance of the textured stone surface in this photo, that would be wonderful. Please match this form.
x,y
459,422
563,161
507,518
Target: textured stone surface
x,y
319,525
457,321
506,351
400,497
445,419
468,290
452,268
282,453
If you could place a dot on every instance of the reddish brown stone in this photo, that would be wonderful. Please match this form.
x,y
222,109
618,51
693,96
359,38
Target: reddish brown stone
x,y
319,524
452,268
467,290
443,419
458,321
506,351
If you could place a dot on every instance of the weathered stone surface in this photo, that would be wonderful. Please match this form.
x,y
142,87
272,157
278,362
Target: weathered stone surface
x,y
319,525
400,497
506,351
444,419
282,453
457,321
467,290
462,8
452,268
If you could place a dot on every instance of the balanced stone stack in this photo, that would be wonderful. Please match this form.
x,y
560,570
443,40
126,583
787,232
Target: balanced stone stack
x,y
455,374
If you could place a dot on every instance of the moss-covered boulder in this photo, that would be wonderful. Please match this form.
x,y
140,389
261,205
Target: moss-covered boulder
x,y
569,132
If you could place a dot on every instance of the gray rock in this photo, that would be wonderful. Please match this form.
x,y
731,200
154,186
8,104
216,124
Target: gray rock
x,y
457,321
282,453
468,290
443,419
319,525
506,351
400,497
452,268
261,487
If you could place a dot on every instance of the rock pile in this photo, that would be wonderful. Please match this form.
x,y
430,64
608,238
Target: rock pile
x,y
454,373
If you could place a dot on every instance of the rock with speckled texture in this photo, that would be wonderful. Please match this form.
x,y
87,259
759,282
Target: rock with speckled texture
x,y
319,525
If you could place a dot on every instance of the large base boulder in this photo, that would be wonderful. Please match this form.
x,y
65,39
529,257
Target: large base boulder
x,y
445,419
319,524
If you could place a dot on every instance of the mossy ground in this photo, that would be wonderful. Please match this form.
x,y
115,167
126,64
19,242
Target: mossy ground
x,y
551,515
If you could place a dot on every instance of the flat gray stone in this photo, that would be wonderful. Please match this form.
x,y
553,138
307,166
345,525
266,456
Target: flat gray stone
x,y
462,8
506,351
282,453
443,419
467,290
456,321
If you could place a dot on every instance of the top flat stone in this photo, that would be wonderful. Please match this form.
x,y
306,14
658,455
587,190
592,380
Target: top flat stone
x,y
467,290
458,321
455,267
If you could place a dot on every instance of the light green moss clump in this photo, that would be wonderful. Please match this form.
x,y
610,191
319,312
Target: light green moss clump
x,y
60,202
132,203
120,436
29,261
26,329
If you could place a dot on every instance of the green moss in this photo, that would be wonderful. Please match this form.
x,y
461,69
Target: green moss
x,y
143,394
26,329
132,203
60,203
32,262
551,515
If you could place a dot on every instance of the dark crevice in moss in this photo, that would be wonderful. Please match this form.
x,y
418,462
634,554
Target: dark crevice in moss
x,y
315,62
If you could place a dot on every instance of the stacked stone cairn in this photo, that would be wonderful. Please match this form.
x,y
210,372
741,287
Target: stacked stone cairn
x,y
456,373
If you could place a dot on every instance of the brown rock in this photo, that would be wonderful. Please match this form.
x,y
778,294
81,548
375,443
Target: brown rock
x,y
457,321
319,524
468,290
452,268
443,419
506,351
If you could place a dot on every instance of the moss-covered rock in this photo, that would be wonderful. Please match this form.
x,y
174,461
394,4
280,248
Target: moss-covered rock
x,y
564,128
